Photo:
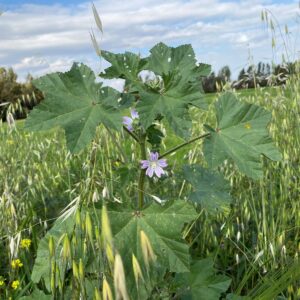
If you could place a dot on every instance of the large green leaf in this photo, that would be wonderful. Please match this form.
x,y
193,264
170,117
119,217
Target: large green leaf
x,y
74,101
125,66
164,60
42,267
241,135
162,225
211,190
180,87
202,283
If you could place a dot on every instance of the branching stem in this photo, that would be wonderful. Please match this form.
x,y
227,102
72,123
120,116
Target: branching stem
x,y
184,144
132,134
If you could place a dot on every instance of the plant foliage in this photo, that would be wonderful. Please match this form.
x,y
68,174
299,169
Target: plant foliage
x,y
145,239
241,135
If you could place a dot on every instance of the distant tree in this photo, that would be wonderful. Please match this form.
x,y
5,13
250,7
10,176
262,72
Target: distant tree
x,y
16,98
250,70
241,74
268,69
259,69
209,83
224,74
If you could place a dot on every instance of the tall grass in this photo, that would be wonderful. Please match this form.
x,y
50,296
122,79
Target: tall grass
x,y
257,240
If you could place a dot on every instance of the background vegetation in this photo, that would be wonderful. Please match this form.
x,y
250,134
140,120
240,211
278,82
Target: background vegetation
x,y
256,243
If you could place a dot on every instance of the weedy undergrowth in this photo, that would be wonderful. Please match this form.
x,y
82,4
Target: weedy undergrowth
x,y
170,198
146,240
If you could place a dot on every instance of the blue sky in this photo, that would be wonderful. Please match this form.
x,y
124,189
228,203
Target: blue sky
x,y
6,4
47,36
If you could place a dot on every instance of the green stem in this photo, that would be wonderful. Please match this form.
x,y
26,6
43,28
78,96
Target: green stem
x,y
142,173
184,144
132,134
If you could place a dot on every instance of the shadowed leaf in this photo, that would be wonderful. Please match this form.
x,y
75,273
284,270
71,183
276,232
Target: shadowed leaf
x,y
211,190
202,283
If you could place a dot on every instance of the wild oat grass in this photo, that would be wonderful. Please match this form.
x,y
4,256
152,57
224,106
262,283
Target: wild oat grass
x,y
257,242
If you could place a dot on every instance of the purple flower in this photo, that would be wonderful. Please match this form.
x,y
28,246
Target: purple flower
x,y
154,165
128,122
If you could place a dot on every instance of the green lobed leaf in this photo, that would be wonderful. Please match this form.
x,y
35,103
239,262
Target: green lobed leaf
x,y
241,135
42,267
154,137
164,60
75,102
211,190
180,87
125,66
162,225
202,283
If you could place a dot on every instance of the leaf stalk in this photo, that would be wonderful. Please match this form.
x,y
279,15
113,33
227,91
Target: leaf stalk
x,y
184,144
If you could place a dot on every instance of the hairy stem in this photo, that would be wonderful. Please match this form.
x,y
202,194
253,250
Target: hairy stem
x,y
132,134
142,173
184,144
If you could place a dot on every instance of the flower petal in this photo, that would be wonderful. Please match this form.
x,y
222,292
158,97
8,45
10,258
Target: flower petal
x,y
149,172
127,121
159,171
162,163
134,114
152,156
145,164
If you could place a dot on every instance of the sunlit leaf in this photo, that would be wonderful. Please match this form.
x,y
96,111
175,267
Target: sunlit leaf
x,y
178,78
125,66
162,225
241,135
75,102
180,87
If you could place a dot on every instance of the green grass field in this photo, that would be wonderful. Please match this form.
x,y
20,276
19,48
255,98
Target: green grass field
x,y
256,243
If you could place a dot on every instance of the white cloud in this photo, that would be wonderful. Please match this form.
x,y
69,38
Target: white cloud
x,y
39,38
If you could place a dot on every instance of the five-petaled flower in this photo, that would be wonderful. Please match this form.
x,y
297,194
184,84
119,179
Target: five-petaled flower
x,y
16,263
154,165
25,243
15,284
128,122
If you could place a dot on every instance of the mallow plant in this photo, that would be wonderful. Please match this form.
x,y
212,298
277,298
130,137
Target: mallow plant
x,y
139,237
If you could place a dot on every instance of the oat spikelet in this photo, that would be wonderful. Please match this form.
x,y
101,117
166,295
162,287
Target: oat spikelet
x,y
106,291
136,270
119,279
147,250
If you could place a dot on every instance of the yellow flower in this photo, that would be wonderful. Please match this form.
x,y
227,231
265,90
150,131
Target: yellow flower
x,y
15,284
1,282
25,243
16,263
